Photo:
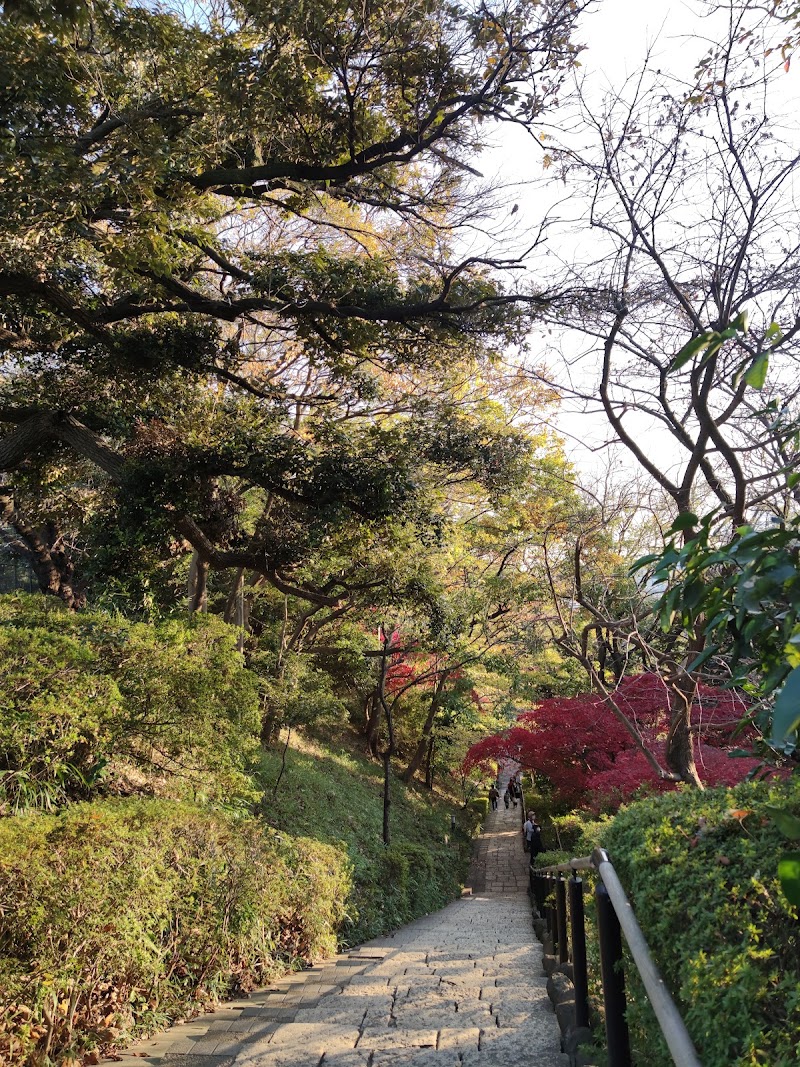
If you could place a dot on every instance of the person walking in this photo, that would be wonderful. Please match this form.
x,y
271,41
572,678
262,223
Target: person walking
x,y
507,799
533,835
493,795
527,832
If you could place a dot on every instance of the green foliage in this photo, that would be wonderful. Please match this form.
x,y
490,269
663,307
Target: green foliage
x,y
211,904
552,858
336,797
85,693
700,869
568,831
742,594
334,367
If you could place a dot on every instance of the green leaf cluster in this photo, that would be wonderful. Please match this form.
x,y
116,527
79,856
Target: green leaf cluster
x,y
700,871
86,695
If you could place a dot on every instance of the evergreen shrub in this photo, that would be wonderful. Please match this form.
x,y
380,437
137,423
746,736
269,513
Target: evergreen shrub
x,y
86,696
120,916
701,871
399,884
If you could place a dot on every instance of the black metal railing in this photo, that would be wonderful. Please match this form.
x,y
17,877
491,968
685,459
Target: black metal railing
x,y
560,902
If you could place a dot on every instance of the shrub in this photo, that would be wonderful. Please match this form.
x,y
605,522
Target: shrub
x,y
551,858
701,871
481,806
397,885
211,903
82,690
567,831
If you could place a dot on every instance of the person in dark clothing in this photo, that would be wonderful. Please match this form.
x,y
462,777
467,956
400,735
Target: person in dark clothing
x,y
493,795
535,843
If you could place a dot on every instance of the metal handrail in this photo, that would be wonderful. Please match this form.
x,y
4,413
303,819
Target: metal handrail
x,y
669,1019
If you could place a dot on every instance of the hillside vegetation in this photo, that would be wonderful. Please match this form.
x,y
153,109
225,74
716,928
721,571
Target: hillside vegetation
x,y
215,902
147,864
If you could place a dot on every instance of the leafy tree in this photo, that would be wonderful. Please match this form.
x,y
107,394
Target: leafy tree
x,y
588,756
230,273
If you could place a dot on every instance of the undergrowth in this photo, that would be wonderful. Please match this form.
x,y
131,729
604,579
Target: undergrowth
x,y
335,795
120,916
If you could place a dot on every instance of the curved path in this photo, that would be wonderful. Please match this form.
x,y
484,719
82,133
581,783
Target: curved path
x,y
460,988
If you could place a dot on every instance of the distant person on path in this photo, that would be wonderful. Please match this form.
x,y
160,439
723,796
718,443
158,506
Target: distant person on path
x,y
493,795
507,799
511,792
533,835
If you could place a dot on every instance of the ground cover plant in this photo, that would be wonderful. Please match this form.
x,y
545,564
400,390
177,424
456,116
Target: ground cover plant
x,y
120,916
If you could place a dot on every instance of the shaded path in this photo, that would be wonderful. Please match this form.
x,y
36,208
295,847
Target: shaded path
x,y
460,988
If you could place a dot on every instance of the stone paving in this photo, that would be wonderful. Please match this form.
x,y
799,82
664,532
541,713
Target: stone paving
x,y
460,988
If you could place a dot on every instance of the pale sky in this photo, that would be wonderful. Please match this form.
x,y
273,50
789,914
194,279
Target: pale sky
x,y
617,35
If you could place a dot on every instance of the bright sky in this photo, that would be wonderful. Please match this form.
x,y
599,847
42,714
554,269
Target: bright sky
x,y
617,35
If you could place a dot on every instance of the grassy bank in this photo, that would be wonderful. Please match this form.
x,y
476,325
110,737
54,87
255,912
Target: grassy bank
x,y
335,795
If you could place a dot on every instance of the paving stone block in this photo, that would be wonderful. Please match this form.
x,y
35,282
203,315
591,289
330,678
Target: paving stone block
x,y
396,1038
417,1058
352,1058
458,1038
214,1046
193,1060
315,1037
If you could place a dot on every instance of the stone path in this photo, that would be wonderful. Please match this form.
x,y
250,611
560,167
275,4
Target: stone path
x,y
460,988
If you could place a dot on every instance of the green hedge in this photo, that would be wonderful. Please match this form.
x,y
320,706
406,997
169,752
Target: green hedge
x,y
402,884
117,917
701,871
88,697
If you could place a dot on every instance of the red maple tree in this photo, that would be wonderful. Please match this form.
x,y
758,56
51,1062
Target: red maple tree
x,y
591,759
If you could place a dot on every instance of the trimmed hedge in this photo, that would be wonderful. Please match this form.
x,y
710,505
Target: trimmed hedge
x,y
403,883
701,871
118,917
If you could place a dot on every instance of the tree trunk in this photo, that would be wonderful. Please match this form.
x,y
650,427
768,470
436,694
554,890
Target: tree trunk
x,y
680,744
429,762
388,752
386,757
419,754
46,554
197,592
236,608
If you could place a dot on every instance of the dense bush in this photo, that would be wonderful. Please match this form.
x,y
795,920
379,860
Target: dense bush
x,y
481,806
87,695
701,870
211,903
399,884
567,831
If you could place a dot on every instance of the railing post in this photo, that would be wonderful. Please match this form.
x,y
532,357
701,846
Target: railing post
x,y
544,883
610,937
561,920
580,978
551,911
